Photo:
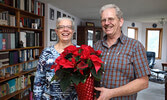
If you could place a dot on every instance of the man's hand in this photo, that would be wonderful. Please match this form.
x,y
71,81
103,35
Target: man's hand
x,y
104,93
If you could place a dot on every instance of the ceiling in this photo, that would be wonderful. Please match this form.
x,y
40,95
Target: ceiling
x,y
133,10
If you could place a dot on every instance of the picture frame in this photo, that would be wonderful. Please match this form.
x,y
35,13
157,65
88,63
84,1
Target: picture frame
x,y
69,16
91,24
74,36
64,15
53,35
58,14
51,14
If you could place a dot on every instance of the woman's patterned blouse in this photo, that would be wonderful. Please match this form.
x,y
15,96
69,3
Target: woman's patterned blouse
x,y
44,88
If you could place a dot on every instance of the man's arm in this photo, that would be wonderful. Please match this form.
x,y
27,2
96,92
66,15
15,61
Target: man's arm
x,y
128,89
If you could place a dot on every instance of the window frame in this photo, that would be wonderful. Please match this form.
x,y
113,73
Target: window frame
x,y
160,40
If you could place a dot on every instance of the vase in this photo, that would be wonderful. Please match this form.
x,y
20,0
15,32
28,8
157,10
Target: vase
x,y
85,91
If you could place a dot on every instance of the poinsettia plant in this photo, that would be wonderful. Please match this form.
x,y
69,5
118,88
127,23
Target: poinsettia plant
x,y
75,65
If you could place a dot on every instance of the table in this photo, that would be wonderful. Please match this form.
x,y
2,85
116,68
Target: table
x,y
164,65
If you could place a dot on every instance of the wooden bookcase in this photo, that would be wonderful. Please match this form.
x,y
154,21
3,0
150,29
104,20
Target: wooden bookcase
x,y
35,50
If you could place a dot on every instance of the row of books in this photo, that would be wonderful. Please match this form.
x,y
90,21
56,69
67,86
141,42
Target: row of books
x,y
32,6
11,40
30,23
7,19
10,20
15,70
14,57
14,85
29,38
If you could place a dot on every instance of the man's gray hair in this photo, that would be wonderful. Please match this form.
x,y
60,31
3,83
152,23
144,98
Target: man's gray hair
x,y
119,13
64,18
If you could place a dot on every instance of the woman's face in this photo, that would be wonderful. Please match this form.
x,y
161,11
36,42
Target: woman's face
x,y
65,30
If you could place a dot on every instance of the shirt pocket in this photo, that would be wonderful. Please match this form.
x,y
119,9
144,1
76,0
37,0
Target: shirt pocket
x,y
122,63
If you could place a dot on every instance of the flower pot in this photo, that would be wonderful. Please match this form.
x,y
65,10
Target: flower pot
x,y
85,91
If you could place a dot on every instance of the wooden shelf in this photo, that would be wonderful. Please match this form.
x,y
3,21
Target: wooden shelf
x,y
18,64
18,74
14,93
25,48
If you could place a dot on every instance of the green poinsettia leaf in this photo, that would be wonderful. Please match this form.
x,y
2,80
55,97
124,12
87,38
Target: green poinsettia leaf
x,y
89,62
75,79
80,50
54,78
68,56
65,83
77,58
97,75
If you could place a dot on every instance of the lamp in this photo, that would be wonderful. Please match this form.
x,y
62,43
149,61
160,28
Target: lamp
x,y
162,21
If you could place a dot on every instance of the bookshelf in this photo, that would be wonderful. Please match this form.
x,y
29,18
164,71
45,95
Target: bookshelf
x,y
19,53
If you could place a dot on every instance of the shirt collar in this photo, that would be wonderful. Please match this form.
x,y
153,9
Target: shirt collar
x,y
121,39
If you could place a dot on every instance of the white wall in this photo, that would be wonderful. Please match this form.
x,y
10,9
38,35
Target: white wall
x,y
51,24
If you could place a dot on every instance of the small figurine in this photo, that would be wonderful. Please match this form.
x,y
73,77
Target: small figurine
x,y
21,44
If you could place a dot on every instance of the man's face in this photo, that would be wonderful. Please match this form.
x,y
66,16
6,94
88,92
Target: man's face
x,y
111,24
65,30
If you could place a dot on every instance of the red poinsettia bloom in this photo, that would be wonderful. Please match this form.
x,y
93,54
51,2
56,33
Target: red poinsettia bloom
x,y
77,64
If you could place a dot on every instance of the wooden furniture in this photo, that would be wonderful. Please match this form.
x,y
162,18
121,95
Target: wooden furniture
x,y
88,35
24,21
164,65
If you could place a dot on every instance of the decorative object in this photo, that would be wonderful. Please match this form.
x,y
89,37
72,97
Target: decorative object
x,y
154,25
53,36
58,14
51,14
133,24
90,24
76,65
162,21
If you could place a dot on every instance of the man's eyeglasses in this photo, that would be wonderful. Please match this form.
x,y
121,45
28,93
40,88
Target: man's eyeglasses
x,y
67,27
109,20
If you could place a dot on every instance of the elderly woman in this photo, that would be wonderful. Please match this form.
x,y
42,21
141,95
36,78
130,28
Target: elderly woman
x,y
44,88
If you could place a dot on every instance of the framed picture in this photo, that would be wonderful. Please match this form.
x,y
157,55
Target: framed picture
x,y
53,36
73,19
58,14
64,15
69,16
74,36
51,14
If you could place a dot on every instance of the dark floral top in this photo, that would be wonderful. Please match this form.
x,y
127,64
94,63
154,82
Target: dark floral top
x,y
44,88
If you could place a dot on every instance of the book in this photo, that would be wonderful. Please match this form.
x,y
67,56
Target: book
x,y
4,58
30,36
23,38
12,85
1,37
17,37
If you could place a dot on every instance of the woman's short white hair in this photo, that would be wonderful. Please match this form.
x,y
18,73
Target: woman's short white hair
x,y
119,13
64,18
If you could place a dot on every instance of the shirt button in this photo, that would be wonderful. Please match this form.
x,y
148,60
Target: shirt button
x,y
100,82
107,53
105,62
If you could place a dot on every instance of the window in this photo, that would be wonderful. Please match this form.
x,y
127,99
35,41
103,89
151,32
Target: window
x,y
133,32
154,41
